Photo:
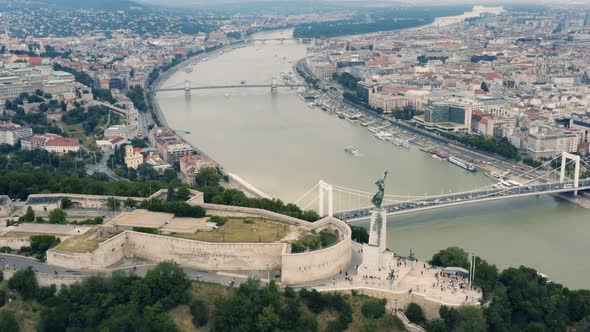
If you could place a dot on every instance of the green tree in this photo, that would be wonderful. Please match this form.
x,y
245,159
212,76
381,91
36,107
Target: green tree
x,y
208,176
498,314
360,234
171,194
183,194
130,203
66,203
452,256
41,243
436,325
471,319
113,203
486,275
2,298
168,284
268,320
29,215
200,313
8,322
57,216
373,308
415,313
24,282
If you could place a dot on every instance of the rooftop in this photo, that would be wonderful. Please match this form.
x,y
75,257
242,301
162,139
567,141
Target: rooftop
x,y
62,141
43,200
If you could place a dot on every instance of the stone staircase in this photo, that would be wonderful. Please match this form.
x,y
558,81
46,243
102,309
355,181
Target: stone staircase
x,y
411,327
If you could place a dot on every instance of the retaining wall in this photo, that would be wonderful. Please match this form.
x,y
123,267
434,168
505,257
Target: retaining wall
x,y
48,279
14,242
400,300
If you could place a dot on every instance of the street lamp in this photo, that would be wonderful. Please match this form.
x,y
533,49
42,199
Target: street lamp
x,y
472,271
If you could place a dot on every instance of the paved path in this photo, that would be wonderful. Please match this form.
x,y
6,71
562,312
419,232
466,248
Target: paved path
x,y
15,262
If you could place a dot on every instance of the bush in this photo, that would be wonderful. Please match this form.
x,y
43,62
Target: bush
x,y
334,326
41,243
219,221
248,221
180,209
200,313
2,298
415,313
57,216
436,325
327,239
373,308
395,322
7,321
5,249
146,230
359,234
25,283
452,256
296,247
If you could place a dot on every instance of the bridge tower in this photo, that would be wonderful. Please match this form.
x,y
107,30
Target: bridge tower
x,y
326,188
564,157
273,86
187,88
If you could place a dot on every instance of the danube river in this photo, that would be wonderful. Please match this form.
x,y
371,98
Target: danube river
x,y
283,147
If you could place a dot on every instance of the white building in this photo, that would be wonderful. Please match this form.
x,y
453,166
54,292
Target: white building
x,y
548,142
62,145
124,131
11,133
133,156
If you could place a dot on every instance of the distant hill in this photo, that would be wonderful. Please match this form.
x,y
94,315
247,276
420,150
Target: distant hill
x,y
87,4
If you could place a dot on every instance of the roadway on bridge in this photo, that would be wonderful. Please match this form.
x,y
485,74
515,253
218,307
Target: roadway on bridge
x,y
234,86
476,196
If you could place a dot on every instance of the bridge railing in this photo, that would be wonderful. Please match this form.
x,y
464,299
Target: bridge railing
x,y
554,187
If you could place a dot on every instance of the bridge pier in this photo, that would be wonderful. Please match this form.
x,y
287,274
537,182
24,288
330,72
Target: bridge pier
x,y
187,88
273,86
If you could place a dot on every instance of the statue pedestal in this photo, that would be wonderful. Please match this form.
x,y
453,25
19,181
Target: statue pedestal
x,y
374,250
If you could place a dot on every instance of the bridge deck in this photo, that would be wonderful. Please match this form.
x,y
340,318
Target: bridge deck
x,y
211,87
466,198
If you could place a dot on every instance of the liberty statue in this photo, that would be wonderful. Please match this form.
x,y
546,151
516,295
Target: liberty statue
x,y
378,198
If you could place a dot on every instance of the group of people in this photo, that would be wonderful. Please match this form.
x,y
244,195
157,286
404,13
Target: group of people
x,y
453,284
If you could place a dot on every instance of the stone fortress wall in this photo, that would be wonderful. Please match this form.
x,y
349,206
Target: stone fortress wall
x,y
323,263
108,253
295,267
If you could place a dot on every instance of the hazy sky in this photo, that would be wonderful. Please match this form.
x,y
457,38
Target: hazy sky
x,y
438,2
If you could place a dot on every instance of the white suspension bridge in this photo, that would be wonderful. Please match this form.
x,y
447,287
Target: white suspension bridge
x,y
354,205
